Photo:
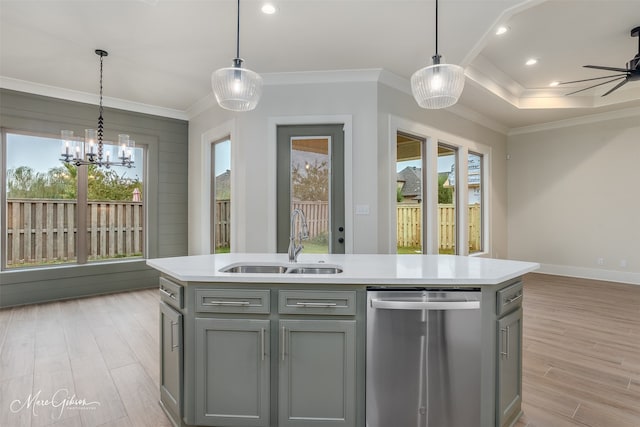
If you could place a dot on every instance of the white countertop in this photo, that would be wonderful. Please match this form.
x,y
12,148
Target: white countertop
x,y
366,269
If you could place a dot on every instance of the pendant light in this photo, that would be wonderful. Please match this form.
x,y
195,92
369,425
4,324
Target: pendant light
x,y
438,85
237,88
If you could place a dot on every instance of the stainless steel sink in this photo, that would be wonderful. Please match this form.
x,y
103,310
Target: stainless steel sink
x,y
282,268
314,270
255,268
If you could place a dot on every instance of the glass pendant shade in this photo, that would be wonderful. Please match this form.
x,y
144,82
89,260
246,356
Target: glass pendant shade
x,y
438,85
237,89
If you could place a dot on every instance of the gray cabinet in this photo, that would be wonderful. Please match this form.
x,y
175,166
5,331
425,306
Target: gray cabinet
x,y
232,372
317,373
171,361
509,381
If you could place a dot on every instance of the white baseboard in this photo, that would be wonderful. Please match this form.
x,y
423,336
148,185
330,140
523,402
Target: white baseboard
x,y
591,273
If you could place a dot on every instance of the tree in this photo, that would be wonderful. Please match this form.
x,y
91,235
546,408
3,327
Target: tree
x,y
61,183
106,184
312,183
445,195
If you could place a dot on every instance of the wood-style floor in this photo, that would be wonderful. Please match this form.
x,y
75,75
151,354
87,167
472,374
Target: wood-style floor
x,y
581,353
581,358
102,349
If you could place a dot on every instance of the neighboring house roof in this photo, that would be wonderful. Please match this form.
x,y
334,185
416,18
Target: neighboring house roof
x,y
411,177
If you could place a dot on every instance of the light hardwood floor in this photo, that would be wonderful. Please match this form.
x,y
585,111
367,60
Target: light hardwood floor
x,y
581,353
581,358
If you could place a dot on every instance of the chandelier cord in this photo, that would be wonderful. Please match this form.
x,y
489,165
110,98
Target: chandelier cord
x,y
100,119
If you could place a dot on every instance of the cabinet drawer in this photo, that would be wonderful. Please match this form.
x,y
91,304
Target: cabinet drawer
x,y
232,301
171,292
330,303
509,299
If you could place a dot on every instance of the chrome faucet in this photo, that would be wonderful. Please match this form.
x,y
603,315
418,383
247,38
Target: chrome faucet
x,y
303,234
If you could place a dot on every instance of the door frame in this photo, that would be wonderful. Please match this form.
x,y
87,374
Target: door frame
x,y
272,140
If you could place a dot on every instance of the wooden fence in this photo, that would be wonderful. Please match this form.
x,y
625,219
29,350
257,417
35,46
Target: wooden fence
x,y
44,231
222,223
409,227
317,214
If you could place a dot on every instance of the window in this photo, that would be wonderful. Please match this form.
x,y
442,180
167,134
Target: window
x,y
476,196
409,194
439,194
221,197
57,213
447,180
311,187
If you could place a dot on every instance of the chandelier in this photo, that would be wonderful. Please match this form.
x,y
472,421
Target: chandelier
x,y
237,88
92,150
438,85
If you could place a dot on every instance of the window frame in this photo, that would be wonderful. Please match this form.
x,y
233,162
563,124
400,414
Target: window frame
x,y
434,137
82,250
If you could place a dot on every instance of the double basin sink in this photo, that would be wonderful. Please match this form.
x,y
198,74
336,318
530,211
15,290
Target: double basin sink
x,y
282,268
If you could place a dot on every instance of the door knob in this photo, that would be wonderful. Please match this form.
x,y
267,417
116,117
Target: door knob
x,y
341,240
341,229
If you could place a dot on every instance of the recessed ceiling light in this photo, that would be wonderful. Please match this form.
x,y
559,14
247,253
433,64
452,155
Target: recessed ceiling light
x,y
531,61
269,9
501,30
554,84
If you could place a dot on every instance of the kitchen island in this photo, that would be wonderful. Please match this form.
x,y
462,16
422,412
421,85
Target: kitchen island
x,y
253,340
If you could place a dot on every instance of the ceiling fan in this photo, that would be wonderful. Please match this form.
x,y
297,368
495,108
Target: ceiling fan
x,y
629,74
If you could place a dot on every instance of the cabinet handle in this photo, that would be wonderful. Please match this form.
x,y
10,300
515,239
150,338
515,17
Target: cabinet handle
x,y
229,303
316,304
173,346
516,298
169,294
504,331
262,341
282,341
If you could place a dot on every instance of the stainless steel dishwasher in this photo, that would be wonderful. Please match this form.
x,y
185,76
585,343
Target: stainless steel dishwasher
x,y
423,358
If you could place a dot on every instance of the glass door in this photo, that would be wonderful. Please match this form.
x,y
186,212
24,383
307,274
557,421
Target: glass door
x,y
310,177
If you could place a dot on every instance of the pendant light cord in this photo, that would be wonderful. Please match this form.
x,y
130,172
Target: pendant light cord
x,y
238,33
436,27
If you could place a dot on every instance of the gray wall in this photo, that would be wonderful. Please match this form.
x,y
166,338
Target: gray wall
x,y
166,196
573,198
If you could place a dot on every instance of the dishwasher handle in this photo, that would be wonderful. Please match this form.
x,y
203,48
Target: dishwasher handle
x,y
424,305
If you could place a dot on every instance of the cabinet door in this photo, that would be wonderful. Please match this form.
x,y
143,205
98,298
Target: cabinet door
x,y
317,373
509,367
232,367
171,361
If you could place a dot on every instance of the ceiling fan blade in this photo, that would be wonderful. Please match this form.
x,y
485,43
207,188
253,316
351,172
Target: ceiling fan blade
x,y
587,80
599,84
616,87
598,67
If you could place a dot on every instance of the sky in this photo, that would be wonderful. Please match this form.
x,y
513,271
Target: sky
x,y
43,153
222,157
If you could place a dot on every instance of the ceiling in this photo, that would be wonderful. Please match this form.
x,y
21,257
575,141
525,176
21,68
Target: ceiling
x,y
162,52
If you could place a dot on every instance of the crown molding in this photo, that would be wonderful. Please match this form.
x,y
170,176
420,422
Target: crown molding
x,y
577,121
504,17
321,77
88,98
472,115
